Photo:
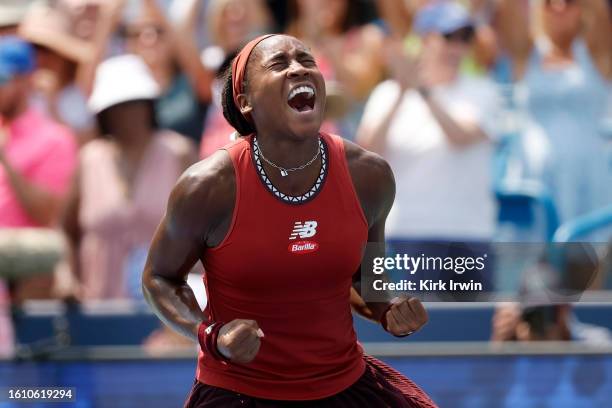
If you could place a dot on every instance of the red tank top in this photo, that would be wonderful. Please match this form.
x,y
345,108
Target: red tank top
x,y
289,266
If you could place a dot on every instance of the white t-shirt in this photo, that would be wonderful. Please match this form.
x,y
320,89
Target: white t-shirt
x,y
443,191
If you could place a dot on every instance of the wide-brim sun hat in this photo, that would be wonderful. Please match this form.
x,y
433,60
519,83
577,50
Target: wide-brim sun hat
x,y
122,79
52,28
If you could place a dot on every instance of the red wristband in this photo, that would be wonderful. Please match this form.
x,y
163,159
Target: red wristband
x,y
207,337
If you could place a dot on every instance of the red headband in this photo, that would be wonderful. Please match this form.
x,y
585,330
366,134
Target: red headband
x,y
240,62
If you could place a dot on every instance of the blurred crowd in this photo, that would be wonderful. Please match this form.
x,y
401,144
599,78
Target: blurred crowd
x,y
103,104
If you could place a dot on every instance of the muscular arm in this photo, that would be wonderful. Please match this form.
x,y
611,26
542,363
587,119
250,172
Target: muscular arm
x,y
198,205
375,185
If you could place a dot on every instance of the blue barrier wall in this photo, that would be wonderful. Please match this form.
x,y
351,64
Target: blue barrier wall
x,y
456,382
445,324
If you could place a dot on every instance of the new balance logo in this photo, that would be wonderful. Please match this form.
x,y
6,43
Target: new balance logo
x,y
303,230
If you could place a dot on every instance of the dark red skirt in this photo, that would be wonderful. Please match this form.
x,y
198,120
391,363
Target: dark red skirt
x,y
379,387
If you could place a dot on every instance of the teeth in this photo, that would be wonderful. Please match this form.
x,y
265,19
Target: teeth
x,y
301,89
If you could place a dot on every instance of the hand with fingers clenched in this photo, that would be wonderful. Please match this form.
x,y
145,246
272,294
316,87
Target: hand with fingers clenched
x,y
404,316
239,340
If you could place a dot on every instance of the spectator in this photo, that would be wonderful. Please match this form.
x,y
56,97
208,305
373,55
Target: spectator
x,y
218,131
174,61
434,125
563,274
231,23
347,52
511,322
566,67
62,59
37,157
124,180
399,18
223,16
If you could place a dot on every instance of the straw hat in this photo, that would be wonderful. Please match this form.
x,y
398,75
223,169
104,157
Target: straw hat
x,y
122,79
12,11
52,28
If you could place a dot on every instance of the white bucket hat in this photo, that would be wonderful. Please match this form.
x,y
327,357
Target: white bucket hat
x,y
122,79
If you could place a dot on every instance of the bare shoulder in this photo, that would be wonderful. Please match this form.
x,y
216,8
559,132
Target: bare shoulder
x,y
203,197
368,167
373,180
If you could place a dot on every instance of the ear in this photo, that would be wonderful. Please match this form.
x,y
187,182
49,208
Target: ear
x,y
244,105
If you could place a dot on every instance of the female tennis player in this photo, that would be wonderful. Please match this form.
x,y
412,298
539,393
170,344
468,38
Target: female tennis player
x,y
279,219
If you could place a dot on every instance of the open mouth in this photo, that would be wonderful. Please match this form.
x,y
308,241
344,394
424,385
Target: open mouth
x,y
302,98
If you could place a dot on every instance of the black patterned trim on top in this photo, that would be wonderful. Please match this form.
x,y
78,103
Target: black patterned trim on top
x,y
286,198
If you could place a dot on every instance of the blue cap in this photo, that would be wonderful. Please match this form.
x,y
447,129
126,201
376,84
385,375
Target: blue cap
x,y
442,17
16,57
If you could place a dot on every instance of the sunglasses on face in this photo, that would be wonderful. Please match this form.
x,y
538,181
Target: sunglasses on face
x,y
463,35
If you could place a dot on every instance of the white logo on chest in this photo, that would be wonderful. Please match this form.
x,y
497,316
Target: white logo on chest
x,y
303,230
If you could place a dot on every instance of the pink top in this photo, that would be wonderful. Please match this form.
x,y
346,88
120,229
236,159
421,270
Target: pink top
x,y
217,132
116,228
42,151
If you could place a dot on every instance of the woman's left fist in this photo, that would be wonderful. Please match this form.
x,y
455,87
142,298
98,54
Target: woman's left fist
x,y
405,316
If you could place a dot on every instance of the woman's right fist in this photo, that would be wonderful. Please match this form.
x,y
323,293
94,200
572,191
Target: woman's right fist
x,y
239,340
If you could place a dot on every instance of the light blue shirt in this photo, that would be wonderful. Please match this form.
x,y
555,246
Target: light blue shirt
x,y
567,107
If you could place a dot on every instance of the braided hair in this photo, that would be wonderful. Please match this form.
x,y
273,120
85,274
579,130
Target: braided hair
x,y
230,111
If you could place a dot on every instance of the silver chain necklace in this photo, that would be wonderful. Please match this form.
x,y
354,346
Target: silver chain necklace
x,y
283,171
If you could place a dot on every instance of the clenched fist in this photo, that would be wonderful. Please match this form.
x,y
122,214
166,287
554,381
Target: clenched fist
x,y
239,340
405,316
